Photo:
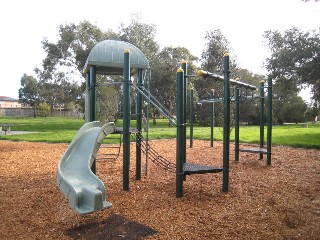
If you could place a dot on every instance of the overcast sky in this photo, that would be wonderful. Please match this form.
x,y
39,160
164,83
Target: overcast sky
x,y
25,23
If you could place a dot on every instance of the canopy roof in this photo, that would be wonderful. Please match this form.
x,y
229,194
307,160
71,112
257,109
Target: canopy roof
x,y
108,57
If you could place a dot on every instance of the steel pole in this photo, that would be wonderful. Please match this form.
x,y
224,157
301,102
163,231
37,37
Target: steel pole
x,y
92,93
269,130
92,103
226,122
184,95
126,120
261,117
191,117
179,139
139,125
212,120
236,123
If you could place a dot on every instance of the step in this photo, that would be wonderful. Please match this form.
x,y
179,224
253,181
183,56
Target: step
x,y
254,150
192,168
119,130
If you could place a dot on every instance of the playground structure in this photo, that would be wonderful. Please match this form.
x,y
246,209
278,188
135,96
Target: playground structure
x,y
112,57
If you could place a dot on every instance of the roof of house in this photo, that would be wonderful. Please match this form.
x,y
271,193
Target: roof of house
x,y
4,98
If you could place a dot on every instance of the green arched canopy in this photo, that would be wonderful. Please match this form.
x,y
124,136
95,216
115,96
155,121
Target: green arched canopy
x,y
108,58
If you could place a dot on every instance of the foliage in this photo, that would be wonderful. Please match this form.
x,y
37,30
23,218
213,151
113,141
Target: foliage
x,y
107,104
295,56
163,83
44,109
142,35
287,105
61,73
28,93
211,60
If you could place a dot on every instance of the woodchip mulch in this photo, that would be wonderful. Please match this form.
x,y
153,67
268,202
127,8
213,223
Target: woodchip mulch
x,y
277,202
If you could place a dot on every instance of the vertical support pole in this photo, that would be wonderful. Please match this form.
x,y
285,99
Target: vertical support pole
x,y
87,100
236,123
191,117
126,120
226,122
261,117
269,130
139,125
92,103
184,99
212,120
179,139
92,93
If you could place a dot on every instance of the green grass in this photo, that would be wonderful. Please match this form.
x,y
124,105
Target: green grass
x,y
50,129
58,130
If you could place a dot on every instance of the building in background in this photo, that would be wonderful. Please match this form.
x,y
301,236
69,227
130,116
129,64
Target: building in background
x,y
8,102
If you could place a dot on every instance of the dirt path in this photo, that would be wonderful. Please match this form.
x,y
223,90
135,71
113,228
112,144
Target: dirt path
x,y
277,202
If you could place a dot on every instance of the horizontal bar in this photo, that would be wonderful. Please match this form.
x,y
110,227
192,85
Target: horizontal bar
x,y
202,73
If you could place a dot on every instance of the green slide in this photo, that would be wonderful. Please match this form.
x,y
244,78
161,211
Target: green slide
x,y
85,191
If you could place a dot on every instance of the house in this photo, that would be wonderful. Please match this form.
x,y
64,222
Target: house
x,y
8,102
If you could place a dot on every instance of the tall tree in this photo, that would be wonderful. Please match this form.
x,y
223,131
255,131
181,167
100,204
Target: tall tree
x,y
28,93
212,60
249,107
61,72
287,106
164,74
142,35
295,56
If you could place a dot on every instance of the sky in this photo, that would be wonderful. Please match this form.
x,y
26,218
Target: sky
x,y
24,24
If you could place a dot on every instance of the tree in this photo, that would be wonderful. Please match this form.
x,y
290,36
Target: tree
x,y
163,83
250,108
216,46
295,56
61,73
287,105
28,93
142,35
211,60
44,109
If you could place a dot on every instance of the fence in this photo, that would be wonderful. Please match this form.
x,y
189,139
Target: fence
x,y
24,112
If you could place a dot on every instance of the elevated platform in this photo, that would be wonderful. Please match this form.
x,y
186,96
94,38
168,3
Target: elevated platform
x,y
254,150
119,130
192,168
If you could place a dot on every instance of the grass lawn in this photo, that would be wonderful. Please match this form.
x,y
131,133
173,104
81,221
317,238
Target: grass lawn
x,y
53,129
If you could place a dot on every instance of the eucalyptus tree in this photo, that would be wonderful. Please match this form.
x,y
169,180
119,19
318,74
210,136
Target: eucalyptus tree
x,y
28,92
295,57
216,45
61,72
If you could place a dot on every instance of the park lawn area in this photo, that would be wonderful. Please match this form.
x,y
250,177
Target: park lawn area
x,y
62,130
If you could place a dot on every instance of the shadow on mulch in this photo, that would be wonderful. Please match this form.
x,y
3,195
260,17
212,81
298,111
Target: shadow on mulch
x,y
115,227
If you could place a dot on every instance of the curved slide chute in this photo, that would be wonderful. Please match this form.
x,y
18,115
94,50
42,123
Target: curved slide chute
x,y
85,191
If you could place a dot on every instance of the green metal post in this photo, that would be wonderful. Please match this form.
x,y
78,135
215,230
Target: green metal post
x,y
226,122
269,130
236,123
212,120
179,139
92,102
87,103
126,120
184,68
261,117
139,126
191,117
92,93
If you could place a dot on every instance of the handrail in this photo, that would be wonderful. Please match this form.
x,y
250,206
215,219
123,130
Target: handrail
x,y
156,103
